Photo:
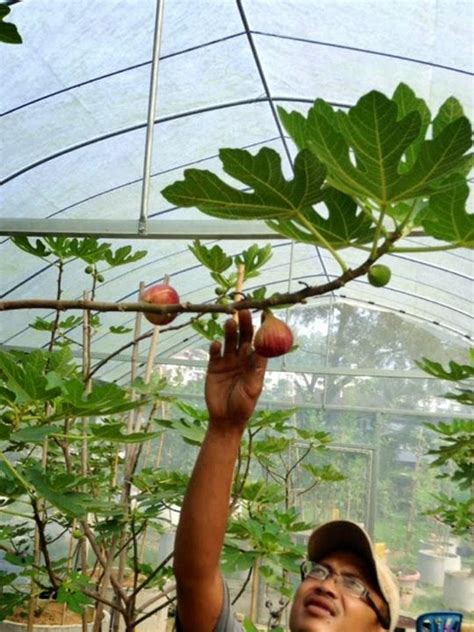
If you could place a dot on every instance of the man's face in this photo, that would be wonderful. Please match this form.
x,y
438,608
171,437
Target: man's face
x,y
324,607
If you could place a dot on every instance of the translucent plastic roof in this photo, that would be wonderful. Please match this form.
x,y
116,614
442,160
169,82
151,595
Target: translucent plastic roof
x,y
75,102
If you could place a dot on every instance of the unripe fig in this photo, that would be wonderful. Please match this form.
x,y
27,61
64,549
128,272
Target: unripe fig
x,y
379,275
77,533
160,294
273,338
8,417
100,278
89,270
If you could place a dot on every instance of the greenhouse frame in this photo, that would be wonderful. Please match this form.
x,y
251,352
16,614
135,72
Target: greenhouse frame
x,y
307,160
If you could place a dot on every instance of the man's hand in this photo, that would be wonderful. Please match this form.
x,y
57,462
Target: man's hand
x,y
235,377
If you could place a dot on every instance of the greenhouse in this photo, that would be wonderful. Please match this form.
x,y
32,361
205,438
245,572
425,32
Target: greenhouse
x,y
236,305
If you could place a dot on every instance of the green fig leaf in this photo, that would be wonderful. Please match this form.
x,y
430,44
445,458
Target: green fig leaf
x,y
446,217
113,432
253,259
273,196
34,434
295,124
437,159
214,258
39,250
342,228
372,133
123,256
8,31
407,102
376,151
450,111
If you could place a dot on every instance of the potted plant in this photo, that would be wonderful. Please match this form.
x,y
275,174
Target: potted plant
x,y
453,459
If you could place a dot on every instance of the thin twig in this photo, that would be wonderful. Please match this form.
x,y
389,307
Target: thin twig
x,y
153,574
43,545
244,585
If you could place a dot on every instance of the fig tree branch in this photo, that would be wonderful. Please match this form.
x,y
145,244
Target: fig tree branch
x,y
275,300
43,544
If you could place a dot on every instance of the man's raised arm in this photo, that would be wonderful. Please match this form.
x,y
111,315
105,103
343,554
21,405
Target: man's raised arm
x,y
234,382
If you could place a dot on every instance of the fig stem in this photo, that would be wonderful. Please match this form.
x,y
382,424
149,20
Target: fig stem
x,y
324,241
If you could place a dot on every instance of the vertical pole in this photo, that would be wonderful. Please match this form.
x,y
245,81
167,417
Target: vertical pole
x,y
151,116
374,475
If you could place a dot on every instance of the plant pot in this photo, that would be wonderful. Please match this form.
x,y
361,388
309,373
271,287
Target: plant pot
x,y
407,581
432,566
458,591
75,626
445,546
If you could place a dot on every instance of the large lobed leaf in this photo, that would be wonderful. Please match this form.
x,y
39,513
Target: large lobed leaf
x,y
446,218
377,150
384,154
342,227
25,375
273,196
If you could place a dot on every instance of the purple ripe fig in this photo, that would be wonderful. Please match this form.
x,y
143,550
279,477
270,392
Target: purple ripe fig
x,y
160,294
274,338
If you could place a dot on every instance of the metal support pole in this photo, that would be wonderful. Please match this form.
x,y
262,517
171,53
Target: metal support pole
x,y
374,475
151,116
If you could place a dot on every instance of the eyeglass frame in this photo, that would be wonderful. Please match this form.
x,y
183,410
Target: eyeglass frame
x,y
365,596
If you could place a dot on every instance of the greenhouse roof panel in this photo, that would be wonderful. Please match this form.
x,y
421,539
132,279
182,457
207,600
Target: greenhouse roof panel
x,y
75,99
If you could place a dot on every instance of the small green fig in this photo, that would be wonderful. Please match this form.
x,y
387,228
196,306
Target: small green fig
x,y
89,270
100,278
8,417
379,275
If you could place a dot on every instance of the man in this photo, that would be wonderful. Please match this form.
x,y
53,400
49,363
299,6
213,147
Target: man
x,y
343,589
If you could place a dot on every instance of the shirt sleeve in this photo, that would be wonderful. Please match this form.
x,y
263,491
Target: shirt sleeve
x,y
226,621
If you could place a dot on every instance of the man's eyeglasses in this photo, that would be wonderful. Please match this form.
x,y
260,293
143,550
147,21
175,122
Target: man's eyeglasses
x,y
350,585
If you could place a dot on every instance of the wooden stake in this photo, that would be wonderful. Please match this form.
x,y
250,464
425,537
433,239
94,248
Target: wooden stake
x,y
239,285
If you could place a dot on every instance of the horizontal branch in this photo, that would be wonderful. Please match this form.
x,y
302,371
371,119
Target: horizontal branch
x,y
275,300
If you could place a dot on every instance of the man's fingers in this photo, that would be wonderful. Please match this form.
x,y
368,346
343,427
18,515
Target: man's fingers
x,y
231,336
245,326
260,362
215,350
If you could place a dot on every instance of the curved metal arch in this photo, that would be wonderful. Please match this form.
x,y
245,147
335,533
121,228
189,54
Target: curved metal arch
x,y
424,299
118,72
133,128
366,51
156,174
434,266
228,37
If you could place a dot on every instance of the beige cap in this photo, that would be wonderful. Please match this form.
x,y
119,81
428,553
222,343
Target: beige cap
x,y
345,535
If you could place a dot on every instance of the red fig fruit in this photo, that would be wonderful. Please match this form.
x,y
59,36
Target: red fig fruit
x,y
273,338
160,294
